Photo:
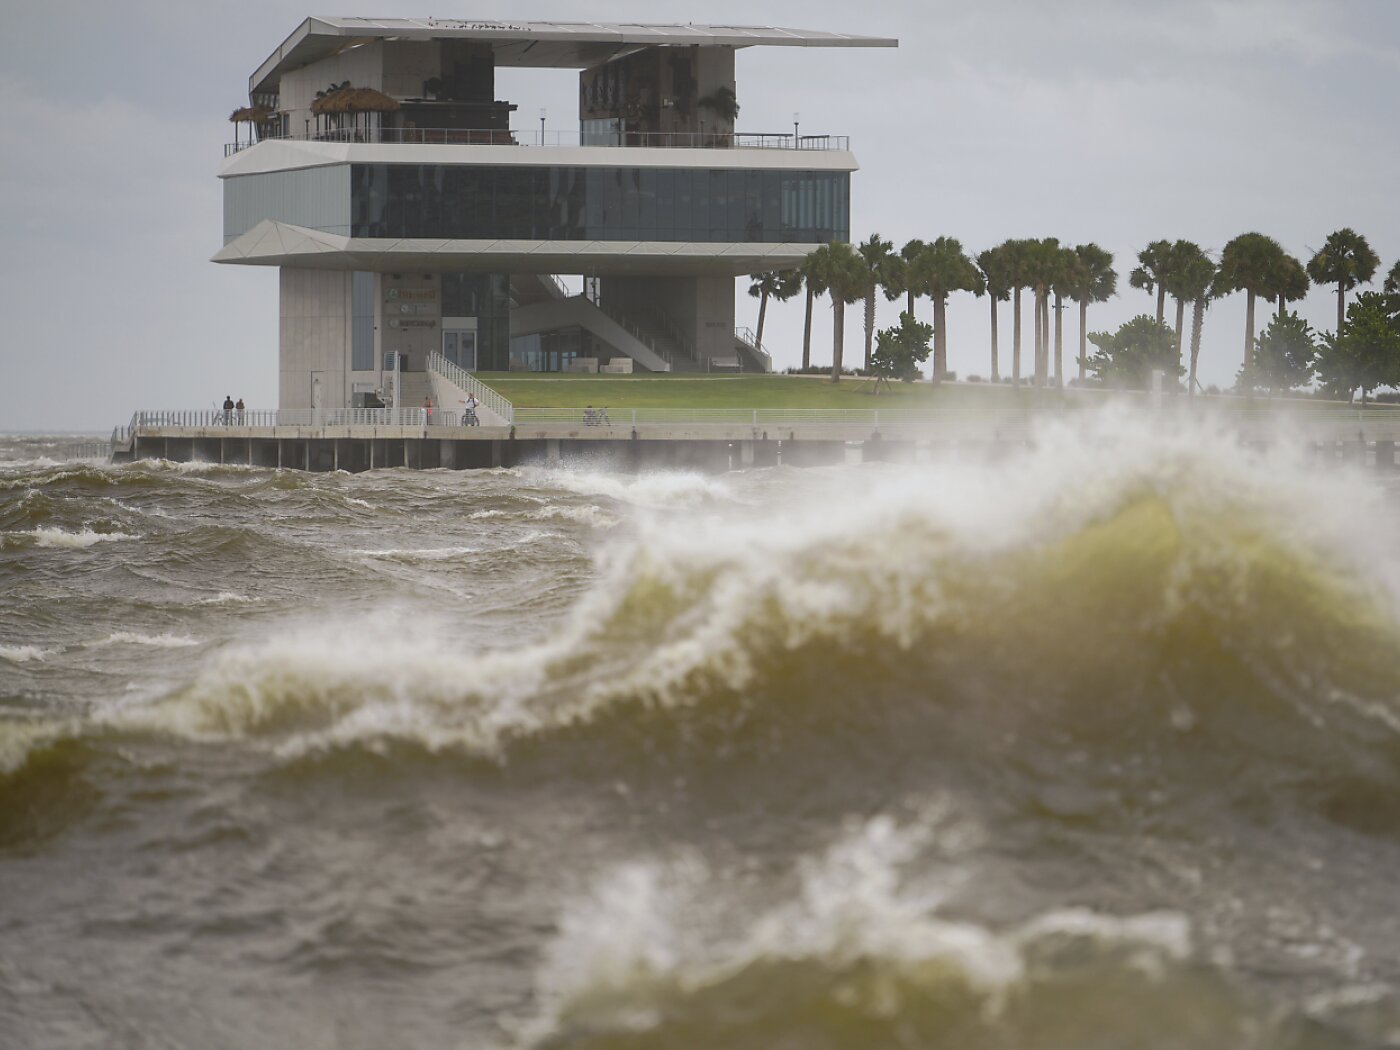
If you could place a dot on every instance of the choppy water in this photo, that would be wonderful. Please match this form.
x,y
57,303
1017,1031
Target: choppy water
x,y
1098,747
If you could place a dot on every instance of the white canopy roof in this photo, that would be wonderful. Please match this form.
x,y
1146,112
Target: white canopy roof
x,y
567,45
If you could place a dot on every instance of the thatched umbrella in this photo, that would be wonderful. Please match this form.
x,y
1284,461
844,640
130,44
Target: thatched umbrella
x,y
252,116
354,101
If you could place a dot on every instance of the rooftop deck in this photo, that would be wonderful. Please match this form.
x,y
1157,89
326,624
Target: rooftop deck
x,y
565,139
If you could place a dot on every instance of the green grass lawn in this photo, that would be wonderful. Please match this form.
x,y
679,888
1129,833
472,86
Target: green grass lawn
x,y
652,390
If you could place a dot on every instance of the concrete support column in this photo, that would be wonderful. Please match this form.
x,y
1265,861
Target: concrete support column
x,y
746,454
551,452
497,454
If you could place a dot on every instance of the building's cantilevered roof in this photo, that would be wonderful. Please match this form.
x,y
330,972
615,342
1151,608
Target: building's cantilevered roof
x,y
566,45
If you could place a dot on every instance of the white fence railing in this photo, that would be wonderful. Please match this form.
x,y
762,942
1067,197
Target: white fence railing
x,y
461,377
294,417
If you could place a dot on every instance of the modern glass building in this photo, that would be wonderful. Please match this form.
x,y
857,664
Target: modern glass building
x,y
376,168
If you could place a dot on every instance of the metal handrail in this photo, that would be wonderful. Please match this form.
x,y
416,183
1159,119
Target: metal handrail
x,y
145,419
459,376
564,139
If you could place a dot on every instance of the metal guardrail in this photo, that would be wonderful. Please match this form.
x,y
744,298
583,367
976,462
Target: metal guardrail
x,y
564,139
459,376
292,417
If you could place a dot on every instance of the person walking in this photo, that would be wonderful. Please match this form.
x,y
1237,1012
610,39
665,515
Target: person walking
x,y
469,411
428,408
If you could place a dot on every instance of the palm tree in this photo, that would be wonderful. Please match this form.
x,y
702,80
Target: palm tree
x,y
1392,281
1290,283
1093,280
996,275
878,256
781,285
1041,260
1016,258
1195,282
898,274
1151,275
1182,280
842,274
1250,263
1346,260
811,277
940,268
1068,278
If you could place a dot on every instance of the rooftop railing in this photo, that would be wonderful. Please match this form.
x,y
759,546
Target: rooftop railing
x,y
565,139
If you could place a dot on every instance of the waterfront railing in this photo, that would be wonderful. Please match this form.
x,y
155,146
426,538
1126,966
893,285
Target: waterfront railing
x,y
464,380
293,417
563,139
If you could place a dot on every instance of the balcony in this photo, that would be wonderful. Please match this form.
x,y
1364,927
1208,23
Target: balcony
x,y
564,139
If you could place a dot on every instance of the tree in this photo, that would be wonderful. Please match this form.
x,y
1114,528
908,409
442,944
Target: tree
x,y
1392,281
1067,280
1188,264
1016,254
1283,356
1151,275
900,274
841,272
996,276
1346,260
1250,263
1042,260
1127,358
1365,352
1093,280
813,282
938,269
1290,283
899,351
878,256
1194,282
781,285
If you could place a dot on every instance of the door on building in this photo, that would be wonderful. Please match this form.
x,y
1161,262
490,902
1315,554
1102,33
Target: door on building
x,y
459,341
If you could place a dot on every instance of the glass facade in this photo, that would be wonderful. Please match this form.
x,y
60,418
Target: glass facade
x,y
318,198
619,204
485,296
556,351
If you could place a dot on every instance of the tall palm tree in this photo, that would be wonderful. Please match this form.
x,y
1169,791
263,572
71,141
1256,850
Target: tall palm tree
x,y
1094,281
841,272
1068,278
1180,283
939,269
1290,282
1016,257
898,274
811,278
1194,281
996,275
1151,274
1392,281
878,256
1346,260
1250,263
781,285
1042,261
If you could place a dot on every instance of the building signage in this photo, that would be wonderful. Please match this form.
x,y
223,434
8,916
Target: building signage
x,y
412,322
452,23
417,308
413,295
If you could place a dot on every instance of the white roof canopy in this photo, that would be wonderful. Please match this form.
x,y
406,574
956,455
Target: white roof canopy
x,y
566,45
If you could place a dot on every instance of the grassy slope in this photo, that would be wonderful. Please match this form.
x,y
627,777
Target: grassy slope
x,y
557,390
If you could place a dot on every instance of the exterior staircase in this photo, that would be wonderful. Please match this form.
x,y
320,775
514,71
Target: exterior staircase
x,y
451,384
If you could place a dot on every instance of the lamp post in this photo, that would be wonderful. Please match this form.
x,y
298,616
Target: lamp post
x,y
796,123
542,116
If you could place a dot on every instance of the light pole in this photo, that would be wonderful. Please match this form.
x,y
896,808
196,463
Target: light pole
x,y
542,116
796,123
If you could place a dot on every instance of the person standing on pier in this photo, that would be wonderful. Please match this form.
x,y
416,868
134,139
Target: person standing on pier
x,y
239,409
228,409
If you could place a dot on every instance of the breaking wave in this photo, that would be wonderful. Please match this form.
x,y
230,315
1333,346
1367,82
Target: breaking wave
x,y
861,953
47,537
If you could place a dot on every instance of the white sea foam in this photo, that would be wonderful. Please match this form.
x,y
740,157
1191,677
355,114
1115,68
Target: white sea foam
x,y
228,598
156,641
44,537
661,490
412,554
23,654
648,931
594,517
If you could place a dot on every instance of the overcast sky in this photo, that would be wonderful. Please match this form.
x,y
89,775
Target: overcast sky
x,y
1114,121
